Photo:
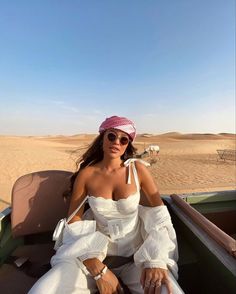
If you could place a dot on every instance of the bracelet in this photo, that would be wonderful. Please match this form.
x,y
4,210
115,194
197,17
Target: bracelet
x,y
104,270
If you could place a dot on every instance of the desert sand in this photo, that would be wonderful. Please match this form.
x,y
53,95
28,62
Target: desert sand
x,y
187,163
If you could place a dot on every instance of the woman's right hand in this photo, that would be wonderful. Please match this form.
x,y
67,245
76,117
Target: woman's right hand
x,y
109,284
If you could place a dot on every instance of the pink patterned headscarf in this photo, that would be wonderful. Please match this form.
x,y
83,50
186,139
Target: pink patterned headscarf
x,y
120,123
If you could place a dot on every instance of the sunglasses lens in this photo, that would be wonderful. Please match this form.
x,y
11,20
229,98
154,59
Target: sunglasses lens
x,y
111,137
124,140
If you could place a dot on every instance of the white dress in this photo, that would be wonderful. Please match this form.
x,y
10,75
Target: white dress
x,y
113,228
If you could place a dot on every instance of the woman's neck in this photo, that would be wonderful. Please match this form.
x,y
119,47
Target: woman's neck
x,y
111,164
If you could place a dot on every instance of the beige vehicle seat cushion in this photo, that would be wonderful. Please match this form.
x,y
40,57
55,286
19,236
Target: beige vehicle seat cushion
x,y
38,203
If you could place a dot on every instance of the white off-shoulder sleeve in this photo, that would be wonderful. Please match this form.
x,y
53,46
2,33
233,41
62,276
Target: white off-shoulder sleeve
x,y
159,248
81,240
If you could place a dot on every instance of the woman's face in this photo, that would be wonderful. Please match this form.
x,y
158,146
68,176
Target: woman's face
x,y
115,143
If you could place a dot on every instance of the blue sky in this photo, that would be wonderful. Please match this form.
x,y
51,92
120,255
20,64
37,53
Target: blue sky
x,y
167,65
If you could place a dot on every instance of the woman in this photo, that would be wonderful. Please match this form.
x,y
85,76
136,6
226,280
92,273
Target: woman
x,y
124,235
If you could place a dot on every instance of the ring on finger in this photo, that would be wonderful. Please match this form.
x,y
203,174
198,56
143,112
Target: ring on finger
x,y
147,284
153,284
158,284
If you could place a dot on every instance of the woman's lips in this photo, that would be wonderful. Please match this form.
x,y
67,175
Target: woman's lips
x,y
114,149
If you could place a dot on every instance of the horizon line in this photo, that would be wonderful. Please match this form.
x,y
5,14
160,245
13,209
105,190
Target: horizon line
x,y
138,134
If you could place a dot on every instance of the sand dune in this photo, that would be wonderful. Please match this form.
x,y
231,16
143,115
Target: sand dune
x,y
186,163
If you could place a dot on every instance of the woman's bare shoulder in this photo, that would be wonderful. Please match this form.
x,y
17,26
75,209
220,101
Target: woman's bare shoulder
x,y
81,181
85,173
140,164
141,168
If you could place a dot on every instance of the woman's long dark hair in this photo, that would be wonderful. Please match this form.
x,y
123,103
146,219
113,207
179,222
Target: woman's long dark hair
x,y
94,154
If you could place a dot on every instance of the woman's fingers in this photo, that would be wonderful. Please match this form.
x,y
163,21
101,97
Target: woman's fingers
x,y
158,289
154,287
142,279
147,278
167,282
152,280
146,287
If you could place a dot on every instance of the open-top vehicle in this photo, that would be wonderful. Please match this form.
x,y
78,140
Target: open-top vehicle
x,y
205,224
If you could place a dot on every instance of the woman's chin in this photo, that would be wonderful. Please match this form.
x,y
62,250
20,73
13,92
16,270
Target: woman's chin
x,y
113,155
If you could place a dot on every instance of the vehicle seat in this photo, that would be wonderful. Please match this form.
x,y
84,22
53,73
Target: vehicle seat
x,y
37,205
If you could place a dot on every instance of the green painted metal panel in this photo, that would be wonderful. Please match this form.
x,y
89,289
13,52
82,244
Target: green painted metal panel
x,y
201,275
215,206
7,242
4,220
211,197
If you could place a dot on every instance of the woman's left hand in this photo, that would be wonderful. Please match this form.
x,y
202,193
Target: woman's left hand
x,y
152,280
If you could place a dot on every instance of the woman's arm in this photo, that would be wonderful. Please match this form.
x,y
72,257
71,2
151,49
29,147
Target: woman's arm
x,y
153,276
78,194
151,196
108,282
94,265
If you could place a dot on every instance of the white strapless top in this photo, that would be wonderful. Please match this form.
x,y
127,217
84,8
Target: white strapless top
x,y
109,207
118,219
